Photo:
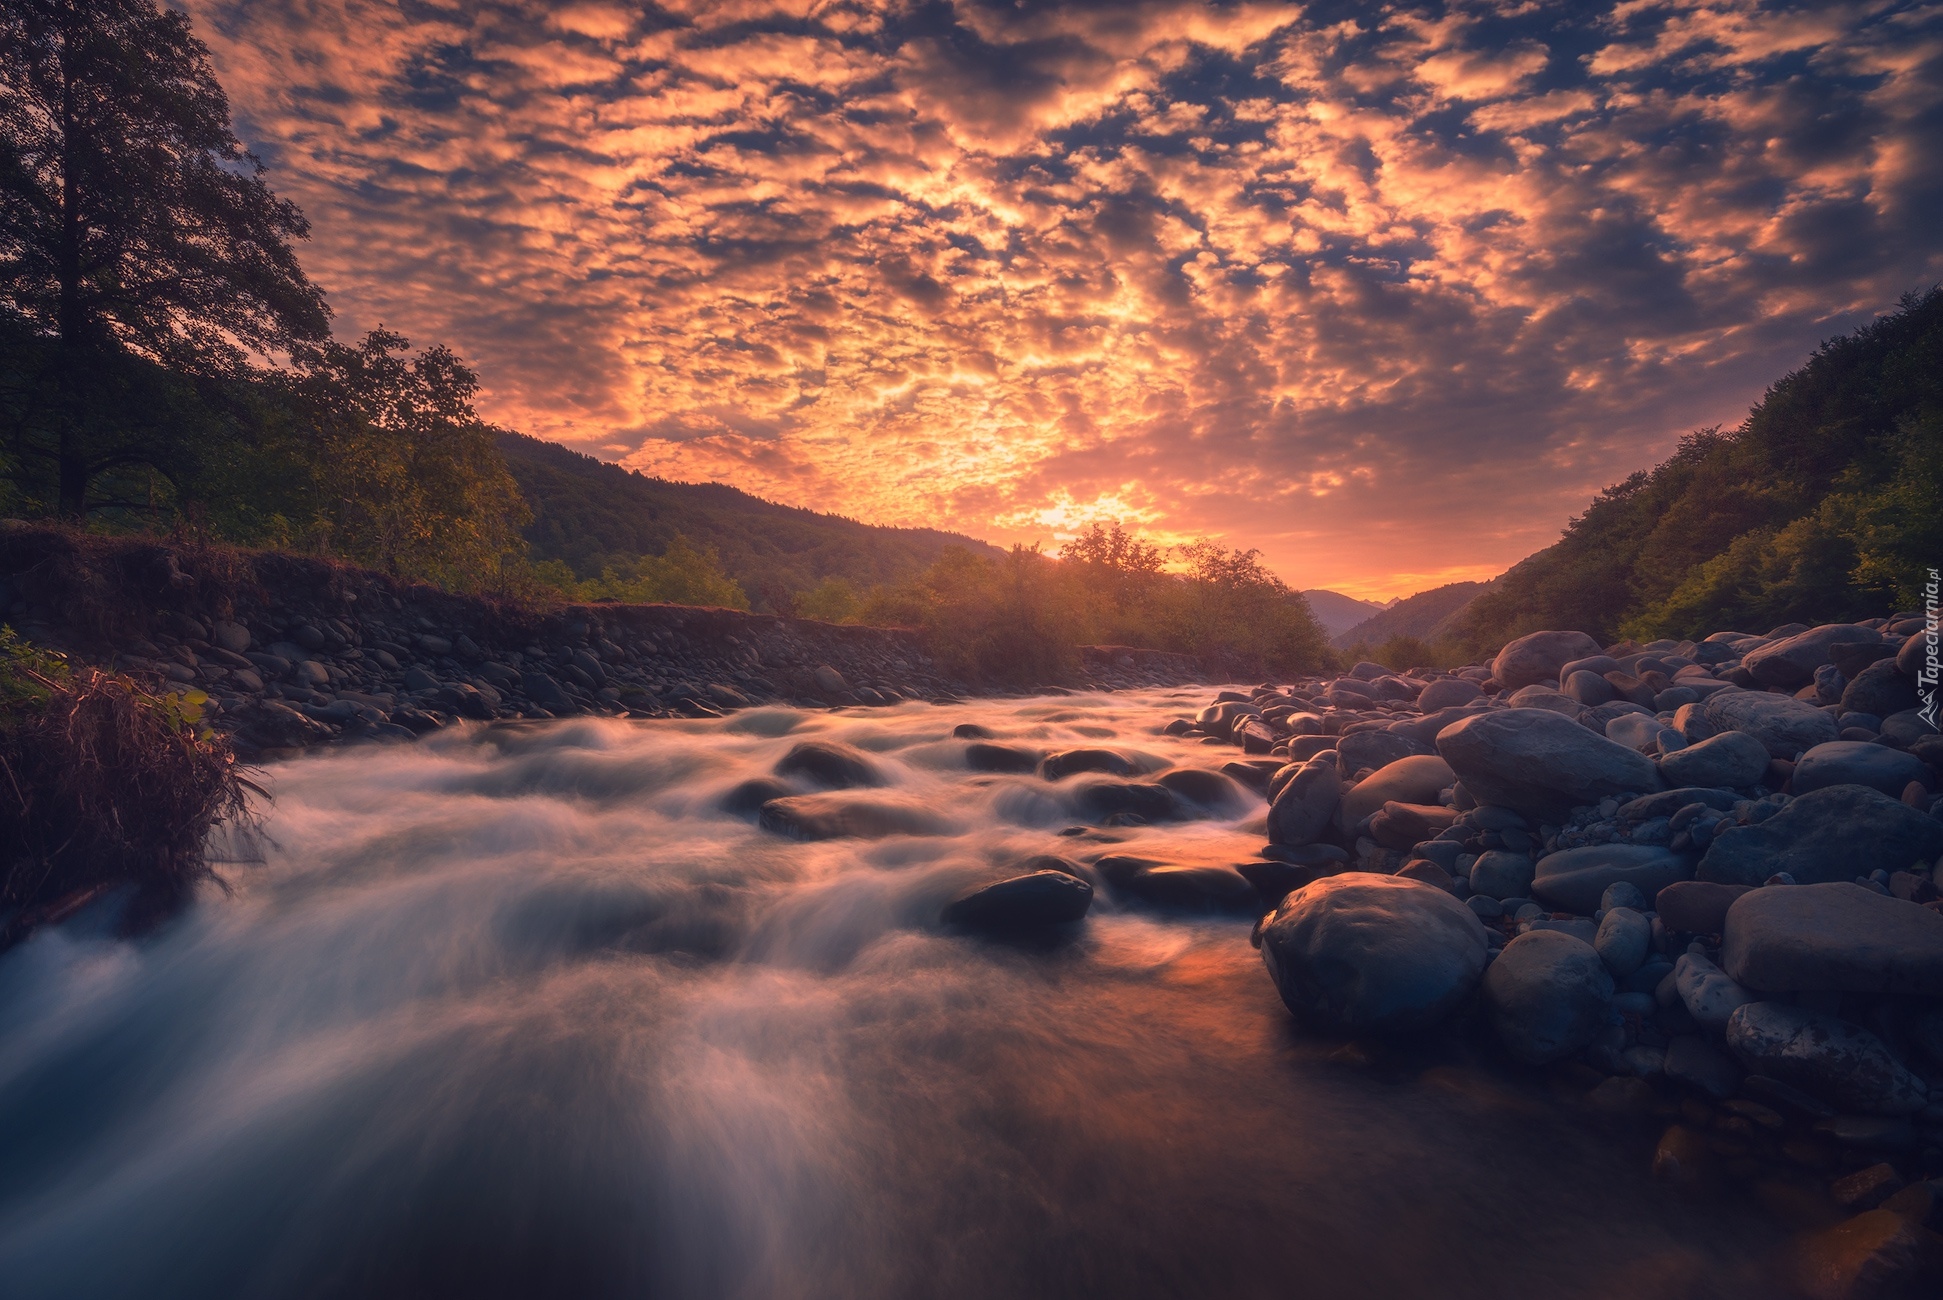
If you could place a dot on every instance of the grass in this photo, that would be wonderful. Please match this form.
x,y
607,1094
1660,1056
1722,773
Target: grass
x,y
103,782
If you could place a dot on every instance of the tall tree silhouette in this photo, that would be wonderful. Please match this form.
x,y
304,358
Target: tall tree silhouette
x,y
137,236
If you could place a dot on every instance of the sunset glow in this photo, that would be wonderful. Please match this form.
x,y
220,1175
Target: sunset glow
x,y
1386,293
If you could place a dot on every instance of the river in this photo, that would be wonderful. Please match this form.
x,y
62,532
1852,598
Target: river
x,y
521,1011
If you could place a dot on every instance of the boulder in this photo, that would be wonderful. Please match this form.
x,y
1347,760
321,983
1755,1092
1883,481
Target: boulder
x,y
1023,903
1403,825
1784,726
1588,688
1191,889
1876,1255
1539,657
1790,663
1301,812
830,681
233,637
1710,995
1543,697
1067,762
1835,833
1210,790
1623,940
1418,779
1880,689
1447,693
1841,1063
1850,762
271,724
1365,954
1373,749
837,815
1548,996
1914,655
1836,936
987,756
545,692
1574,880
1733,760
1540,763
1639,732
830,765
1500,874
1697,906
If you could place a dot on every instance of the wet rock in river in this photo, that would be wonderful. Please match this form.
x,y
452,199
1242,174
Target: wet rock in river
x,y
843,816
1548,996
1363,954
1415,779
1839,1062
985,756
1036,901
1057,767
1190,888
830,765
1825,835
1210,791
1303,809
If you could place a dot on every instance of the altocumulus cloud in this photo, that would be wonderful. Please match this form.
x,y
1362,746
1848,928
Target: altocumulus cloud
x,y
1385,291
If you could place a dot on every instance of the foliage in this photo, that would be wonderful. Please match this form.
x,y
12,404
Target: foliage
x,y
101,781
591,514
133,226
684,574
1823,505
1019,618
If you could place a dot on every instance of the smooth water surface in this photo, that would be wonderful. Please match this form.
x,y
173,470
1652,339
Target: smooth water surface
x,y
520,1012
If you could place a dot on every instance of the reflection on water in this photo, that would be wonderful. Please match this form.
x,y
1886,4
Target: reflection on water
x,y
522,1012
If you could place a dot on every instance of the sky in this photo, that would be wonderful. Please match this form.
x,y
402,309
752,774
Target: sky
x,y
1386,292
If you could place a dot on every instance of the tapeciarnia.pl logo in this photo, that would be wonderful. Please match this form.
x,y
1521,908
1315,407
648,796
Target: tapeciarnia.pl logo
x,y
1926,674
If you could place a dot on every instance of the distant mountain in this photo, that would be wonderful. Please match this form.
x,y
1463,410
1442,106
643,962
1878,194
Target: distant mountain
x,y
1426,616
588,513
1337,612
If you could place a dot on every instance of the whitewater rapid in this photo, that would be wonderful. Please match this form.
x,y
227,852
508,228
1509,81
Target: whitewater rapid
x,y
521,1011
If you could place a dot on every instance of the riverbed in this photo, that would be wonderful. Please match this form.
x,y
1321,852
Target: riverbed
x,y
523,1010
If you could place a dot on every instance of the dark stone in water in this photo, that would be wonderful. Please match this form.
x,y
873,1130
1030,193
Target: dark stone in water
x,y
984,757
835,767
970,731
1031,902
1067,762
1211,790
1275,881
1192,889
834,817
747,799
1098,800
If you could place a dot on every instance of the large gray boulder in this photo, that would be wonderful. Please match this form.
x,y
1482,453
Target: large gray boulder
x,y
1783,724
1841,1063
1836,936
1539,657
1731,760
1368,954
1418,778
1790,663
1836,833
1859,762
1300,813
1540,763
1374,749
1880,689
1036,901
1548,996
1544,697
1447,693
1574,880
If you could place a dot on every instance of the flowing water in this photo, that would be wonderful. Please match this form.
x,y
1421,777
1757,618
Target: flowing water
x,y
522,1012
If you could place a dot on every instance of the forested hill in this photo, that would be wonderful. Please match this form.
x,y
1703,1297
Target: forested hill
x,y
1825,505
1425,616
588,513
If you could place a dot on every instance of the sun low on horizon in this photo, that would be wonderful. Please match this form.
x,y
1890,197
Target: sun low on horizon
x,y
1387,292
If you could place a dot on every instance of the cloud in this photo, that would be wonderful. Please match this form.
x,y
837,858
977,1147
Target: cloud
x,y
1385,293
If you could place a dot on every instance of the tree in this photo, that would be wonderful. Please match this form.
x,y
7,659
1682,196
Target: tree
x,y
133,227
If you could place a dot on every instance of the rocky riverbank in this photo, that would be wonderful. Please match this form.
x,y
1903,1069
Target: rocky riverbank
x,y
1697,880
294,651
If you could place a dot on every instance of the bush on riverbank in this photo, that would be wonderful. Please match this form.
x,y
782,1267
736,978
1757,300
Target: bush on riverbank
x,y
102,781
